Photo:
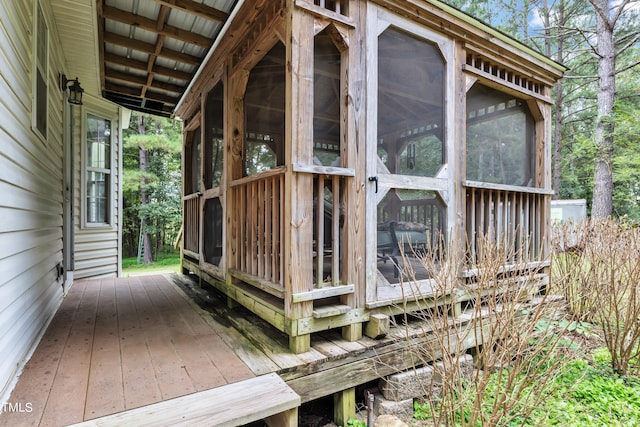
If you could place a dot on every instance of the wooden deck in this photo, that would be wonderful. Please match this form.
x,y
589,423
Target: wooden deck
x,y
128,343
118,344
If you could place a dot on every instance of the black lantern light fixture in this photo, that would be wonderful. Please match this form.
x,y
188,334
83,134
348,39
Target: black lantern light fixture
x,y
75,90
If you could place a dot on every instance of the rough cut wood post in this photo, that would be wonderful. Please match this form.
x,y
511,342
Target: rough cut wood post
x,y
298,207
543,139
353,146
234,140
344,406
458,194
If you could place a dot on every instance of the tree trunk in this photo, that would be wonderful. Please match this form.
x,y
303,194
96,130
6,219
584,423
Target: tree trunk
x,y
603,174
146,236
559,101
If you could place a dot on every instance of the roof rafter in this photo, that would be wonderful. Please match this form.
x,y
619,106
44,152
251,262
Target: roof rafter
x,y
198,9
151,25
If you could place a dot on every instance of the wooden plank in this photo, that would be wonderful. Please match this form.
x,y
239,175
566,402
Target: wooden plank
x,y
323,170
105,392
202,371
68,392
140,385
330,311
319,199
264,285
323,293
172,382
503,187
335,232
37,378
234,404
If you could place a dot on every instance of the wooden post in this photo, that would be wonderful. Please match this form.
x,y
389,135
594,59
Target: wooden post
x,y
378,326
353,147
298,206
344,406
284,419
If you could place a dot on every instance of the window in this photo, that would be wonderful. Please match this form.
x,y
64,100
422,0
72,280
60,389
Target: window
x,y
40,73
98,170
214,142
411,104
264,111
326,100
500,138
192,162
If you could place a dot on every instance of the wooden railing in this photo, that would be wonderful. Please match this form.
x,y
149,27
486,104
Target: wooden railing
x,y
338,6
191,218
509,218
327,193
258,203
327,229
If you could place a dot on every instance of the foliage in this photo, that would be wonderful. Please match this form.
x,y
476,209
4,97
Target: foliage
x,y
512,340
165,261
597,270
353,422
566,31
585,392
161,140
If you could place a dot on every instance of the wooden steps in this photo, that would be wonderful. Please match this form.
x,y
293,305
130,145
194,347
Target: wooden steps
x,y
265,397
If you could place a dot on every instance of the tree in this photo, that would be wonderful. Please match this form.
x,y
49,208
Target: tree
x,y
152,183
605,122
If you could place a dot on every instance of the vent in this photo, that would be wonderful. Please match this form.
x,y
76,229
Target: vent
x,y
497,72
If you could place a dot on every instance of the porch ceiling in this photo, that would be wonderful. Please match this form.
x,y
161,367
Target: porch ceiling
x,y
151,49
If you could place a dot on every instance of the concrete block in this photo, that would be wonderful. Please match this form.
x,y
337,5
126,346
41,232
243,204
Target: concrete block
x,y
423,381
402,409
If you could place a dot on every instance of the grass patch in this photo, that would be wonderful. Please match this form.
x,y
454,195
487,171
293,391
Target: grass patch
x,y
587,392
164,262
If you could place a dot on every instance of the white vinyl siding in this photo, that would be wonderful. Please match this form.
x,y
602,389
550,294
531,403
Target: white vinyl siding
x,y
97,243
31,184
40,68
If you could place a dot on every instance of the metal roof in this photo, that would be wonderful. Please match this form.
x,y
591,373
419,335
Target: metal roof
x,y
151,49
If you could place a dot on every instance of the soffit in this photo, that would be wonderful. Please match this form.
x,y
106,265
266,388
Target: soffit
x,y
151,49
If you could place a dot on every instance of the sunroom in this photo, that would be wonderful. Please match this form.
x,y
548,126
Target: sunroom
x,y
330,145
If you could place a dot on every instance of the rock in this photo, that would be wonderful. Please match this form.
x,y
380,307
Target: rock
x,y
389,421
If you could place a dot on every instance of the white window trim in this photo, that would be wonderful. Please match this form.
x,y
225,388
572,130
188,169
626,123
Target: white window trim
x,y
34,71
109,224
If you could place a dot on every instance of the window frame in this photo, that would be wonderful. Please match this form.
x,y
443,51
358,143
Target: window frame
x,y
37,64
84,211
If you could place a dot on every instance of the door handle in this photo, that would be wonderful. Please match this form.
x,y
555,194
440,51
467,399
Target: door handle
x,y
374,179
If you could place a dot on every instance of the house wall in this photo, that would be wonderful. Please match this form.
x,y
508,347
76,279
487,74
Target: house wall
x,y
96,248
31,185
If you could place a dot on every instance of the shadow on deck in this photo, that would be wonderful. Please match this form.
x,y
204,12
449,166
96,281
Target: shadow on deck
x,y
120,344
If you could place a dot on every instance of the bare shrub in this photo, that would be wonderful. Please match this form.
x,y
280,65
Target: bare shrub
x,y
499,316
600,282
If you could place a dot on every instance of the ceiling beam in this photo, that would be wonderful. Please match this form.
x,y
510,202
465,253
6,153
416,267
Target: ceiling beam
x,y
151,25
150,48
197,9
112,58
142,81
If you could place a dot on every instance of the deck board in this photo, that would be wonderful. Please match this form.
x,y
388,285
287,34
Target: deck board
x,y
140,386
105,388
119,344
68,392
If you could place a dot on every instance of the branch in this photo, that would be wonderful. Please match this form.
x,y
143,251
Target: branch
x,y
604,14
631,43
619,12
627,68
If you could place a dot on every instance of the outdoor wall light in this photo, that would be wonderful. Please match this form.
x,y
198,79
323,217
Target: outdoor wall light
x,y
75,90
